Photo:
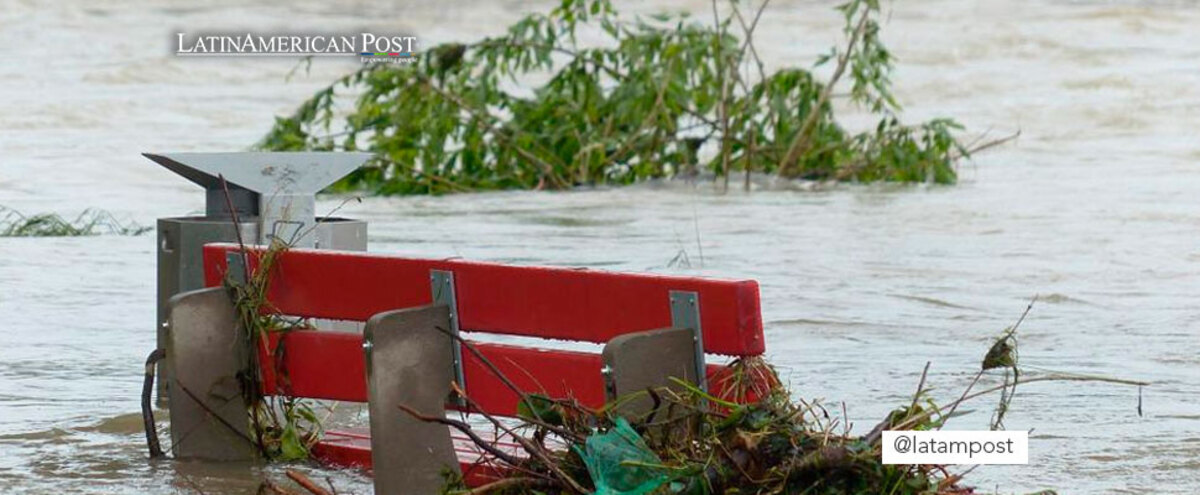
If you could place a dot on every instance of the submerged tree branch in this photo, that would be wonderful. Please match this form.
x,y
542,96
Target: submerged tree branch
x,y
531,109
801,142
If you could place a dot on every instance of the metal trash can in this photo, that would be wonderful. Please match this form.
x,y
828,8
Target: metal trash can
x,y
274,196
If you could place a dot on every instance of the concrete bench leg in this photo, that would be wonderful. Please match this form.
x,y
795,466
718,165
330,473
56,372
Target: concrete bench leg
x,y
637,361
205,353
410,362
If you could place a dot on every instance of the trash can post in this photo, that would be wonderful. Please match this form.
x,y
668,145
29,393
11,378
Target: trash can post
x,y
270,194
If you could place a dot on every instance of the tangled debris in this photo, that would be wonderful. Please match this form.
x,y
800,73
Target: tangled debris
x,y
283,427
691,442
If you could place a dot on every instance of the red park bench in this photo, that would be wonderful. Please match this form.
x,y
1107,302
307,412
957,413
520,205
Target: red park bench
x,y
652,327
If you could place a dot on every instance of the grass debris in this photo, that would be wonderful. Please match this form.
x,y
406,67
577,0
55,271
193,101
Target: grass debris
x,y
283,427
13,223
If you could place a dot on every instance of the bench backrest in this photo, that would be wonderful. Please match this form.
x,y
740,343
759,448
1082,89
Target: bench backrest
x,y
549,303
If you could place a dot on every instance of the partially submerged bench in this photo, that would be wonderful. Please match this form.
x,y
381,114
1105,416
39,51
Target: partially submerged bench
x,y
653,327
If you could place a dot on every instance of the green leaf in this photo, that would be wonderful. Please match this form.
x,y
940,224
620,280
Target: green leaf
x,y
541,408
291,448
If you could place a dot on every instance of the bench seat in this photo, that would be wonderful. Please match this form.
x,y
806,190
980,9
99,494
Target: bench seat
x,y
653,327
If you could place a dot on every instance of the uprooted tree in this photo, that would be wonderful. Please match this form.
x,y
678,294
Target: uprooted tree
x,y
654,98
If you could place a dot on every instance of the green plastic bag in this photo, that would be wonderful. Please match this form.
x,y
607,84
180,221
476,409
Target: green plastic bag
x,y
620,463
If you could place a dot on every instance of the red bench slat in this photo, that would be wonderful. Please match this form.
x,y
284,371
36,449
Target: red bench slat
x,y
554,373
560,303
330,365
319,365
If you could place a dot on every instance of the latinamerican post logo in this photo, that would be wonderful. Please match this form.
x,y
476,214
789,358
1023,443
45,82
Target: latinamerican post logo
x,y
370,47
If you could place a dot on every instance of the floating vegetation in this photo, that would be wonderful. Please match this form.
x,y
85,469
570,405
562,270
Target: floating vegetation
x,y
91,222
656,97
691,442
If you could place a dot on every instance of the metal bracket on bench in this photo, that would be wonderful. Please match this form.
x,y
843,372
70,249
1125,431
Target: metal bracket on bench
x,y
441,282
235,266
685,313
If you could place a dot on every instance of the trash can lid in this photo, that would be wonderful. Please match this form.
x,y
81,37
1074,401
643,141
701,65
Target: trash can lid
x,y
267,173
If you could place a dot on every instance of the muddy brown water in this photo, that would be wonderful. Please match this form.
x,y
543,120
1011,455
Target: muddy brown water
x,y
1097,209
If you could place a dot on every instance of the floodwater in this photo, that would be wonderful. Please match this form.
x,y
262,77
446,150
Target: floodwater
x,y
1096,208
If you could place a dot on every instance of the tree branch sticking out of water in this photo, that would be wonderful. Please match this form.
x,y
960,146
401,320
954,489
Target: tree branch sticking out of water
x,y
657,97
